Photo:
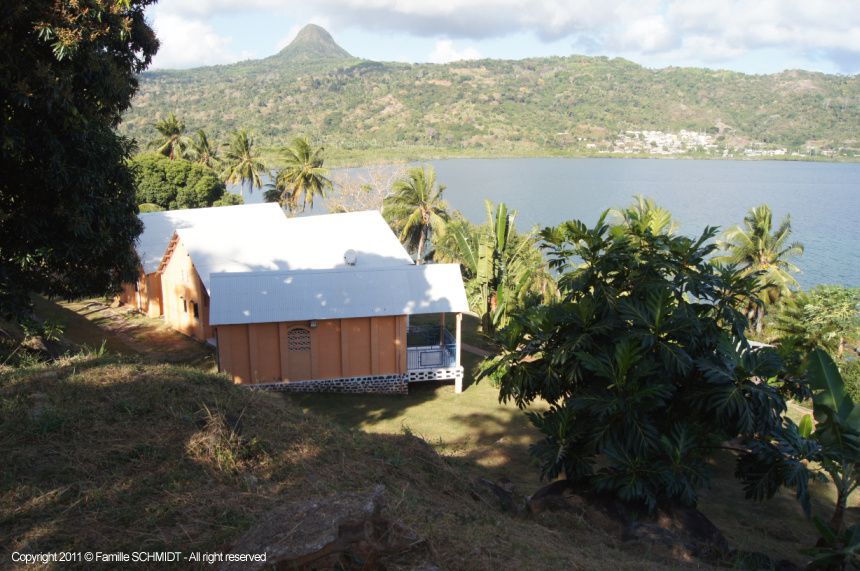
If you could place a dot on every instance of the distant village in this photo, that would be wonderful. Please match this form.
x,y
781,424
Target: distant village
x,y
692,142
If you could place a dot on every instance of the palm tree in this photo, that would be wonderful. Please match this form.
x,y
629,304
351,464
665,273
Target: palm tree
x,y
202,152
304,176
242,162
645,216
757,248
173,143
416,209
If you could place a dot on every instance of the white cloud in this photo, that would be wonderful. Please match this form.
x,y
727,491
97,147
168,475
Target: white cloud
x,y
445,52
643,30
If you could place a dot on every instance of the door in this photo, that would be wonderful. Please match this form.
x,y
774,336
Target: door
x,y
299,354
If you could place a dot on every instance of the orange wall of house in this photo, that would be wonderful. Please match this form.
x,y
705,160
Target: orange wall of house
x,y
179,281
148,298
152,287
259,353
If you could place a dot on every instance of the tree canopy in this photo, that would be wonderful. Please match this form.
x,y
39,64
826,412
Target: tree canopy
x,y
177,183
67,204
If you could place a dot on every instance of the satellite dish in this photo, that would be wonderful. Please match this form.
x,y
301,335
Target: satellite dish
x,y
350,257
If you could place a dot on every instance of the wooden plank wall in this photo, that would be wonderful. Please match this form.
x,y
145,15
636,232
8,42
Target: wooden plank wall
x,y
259,353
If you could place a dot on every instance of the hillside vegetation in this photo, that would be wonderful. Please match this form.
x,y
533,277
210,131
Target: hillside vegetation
x,y
555,105
118,455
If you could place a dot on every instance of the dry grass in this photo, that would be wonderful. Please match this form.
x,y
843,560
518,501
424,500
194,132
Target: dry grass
x,y
121,456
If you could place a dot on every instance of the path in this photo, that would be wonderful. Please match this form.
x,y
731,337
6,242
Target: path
x,y
91,322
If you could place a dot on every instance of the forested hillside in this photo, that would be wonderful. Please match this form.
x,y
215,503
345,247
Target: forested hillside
x,y
545,105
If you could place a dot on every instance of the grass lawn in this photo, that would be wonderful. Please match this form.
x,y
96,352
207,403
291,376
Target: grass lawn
x,y
485,437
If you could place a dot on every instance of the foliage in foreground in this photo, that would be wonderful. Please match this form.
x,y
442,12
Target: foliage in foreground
x,y
67,202
643,361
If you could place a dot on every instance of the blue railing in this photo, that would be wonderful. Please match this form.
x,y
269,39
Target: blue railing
x,y
428,355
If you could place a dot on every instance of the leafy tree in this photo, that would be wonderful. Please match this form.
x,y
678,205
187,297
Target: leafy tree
x,y
202,152
826,316
759,248
242,164
173,143
67,207
303,177
416,210
643,362
173,184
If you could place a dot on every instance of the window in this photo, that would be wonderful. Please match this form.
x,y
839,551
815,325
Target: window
x,y
184,305
299,339
196,308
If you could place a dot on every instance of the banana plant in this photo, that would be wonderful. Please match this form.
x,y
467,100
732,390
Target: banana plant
x,y
495,261
837,429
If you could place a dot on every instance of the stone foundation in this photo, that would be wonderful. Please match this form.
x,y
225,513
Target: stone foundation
x,y
379,384
441,374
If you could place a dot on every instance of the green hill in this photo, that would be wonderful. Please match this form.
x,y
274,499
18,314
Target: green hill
x,y
555,105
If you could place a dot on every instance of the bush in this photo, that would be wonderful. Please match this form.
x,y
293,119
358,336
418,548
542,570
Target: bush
x,y
850,369
172,184
149,207
229,199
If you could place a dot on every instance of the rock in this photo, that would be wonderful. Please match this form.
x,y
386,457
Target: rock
x,y
35,343
345,531
500,495
683,532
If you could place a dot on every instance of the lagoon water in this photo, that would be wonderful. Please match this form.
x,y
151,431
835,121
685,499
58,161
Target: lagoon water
x,y
822,198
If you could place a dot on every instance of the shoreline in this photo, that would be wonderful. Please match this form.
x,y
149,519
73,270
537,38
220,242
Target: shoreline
x,y
396,156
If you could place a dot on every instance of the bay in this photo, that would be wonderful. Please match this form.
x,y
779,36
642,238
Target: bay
x,y
823,199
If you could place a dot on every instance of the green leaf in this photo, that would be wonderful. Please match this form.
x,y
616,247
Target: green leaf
x,y
824,378
806,427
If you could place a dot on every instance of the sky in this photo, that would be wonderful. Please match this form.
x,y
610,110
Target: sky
x,y
751,36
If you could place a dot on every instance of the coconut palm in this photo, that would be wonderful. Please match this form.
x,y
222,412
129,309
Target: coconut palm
x,y
202,152
242,162
416,209
173,142
303,177
758,248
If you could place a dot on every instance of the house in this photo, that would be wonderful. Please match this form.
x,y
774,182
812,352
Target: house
x,y
158,229
343,329
309,303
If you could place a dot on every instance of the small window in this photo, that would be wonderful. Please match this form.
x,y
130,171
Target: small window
x,y
184,305
299,339
196,308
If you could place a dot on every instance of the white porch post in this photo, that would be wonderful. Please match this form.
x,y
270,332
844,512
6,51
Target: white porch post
x,y
458,383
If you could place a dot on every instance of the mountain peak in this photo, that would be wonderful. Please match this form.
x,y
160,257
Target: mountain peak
x,y
313,43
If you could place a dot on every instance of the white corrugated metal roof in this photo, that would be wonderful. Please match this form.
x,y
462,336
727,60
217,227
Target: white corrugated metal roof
x,y
291,244
158,227
265,297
